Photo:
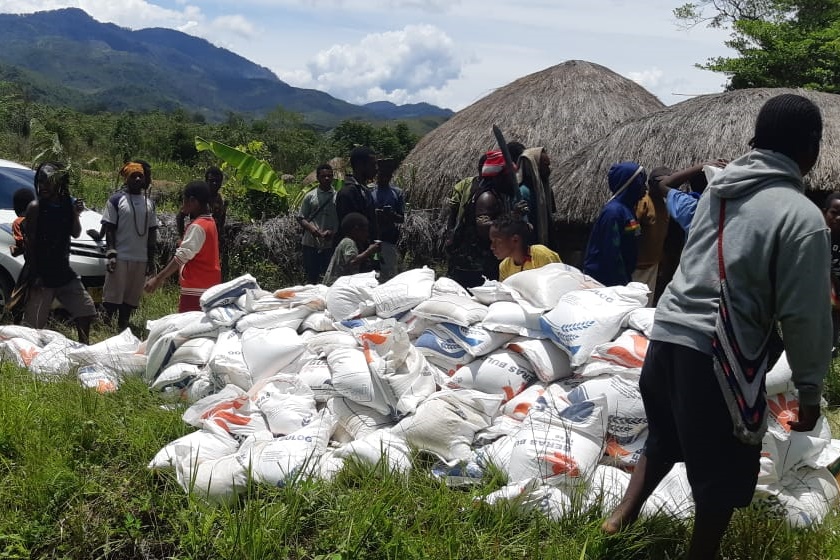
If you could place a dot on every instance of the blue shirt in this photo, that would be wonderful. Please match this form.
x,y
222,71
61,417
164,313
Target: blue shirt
x,y
681,207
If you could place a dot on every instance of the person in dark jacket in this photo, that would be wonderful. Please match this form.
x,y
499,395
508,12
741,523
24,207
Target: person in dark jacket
x,y
355,196
614,242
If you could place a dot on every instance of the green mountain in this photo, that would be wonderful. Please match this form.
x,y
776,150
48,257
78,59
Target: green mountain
x,y
66,57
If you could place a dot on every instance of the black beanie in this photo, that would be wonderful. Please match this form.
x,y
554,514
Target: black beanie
x,y
788,124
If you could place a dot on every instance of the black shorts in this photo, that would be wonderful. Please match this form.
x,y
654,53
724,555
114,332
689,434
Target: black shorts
x,y
688,421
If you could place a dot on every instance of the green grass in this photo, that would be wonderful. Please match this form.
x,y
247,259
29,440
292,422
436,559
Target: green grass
x,y
73,484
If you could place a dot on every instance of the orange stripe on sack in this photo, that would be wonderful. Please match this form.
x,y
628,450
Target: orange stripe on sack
x,y
231,419
624,357
522,408
375,338
562,464
615,450
509,394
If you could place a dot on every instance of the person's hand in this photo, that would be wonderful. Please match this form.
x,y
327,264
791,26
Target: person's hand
x,y
808,416
327,233
151,285
79,206
521,208
112,264
374,247
720,162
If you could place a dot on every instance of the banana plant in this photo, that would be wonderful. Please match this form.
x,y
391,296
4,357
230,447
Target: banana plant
x,y
254,173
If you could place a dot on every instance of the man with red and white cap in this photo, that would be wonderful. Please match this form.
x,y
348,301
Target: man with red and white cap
x,y
491,198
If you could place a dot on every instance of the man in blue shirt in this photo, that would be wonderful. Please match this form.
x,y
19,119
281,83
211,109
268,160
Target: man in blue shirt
x,y
681,205
390,211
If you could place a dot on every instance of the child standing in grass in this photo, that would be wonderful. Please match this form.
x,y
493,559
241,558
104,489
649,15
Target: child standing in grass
x,y
509,237
197,258
347,257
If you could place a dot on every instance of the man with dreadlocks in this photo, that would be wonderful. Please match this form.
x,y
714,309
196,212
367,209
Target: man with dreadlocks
x,y
757,253
130,224
50,222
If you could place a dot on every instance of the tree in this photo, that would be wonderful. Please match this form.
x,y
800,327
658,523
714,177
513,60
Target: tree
x,y
386,141
780,43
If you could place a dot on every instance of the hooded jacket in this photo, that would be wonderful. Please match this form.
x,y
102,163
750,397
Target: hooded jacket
x,y
613,246
776,256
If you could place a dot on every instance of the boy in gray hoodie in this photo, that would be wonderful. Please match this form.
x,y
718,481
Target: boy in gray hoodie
x,y
775,253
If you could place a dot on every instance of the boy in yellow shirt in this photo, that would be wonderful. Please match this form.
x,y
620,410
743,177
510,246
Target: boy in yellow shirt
x,y
509,242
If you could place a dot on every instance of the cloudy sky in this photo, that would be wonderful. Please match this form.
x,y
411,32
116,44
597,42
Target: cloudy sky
x,y
446,52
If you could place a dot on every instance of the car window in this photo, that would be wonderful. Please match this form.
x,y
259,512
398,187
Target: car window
x,y
10,181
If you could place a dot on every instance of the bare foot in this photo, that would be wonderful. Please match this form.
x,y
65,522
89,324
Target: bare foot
x,y
620,518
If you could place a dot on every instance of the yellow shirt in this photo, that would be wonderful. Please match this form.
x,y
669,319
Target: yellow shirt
x,y
540,255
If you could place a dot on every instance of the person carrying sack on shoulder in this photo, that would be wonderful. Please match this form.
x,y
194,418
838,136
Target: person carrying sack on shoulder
x,y
319,219
757,253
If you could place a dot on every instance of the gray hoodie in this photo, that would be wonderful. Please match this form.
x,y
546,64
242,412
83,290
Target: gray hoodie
x,y
776,251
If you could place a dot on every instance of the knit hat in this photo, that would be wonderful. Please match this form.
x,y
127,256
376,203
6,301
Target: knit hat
x,y
494,164
130,169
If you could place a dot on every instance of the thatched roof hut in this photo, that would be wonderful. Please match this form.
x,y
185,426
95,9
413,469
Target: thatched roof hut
x,y
562,108
699,129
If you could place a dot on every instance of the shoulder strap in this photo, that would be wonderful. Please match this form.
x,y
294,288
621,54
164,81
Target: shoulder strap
x,y
320,207
721,220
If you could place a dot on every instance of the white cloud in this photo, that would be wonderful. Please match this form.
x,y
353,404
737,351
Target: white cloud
x,y
235,24
649,78
395,65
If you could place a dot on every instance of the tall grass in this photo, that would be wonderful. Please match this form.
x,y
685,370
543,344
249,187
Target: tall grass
x,y
73,484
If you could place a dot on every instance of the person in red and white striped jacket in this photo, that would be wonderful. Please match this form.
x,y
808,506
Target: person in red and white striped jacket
x,y
197,257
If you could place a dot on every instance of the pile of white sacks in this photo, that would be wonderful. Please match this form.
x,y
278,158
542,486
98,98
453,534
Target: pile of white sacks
x,y
536,377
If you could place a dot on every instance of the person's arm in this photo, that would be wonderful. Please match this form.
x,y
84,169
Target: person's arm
x,y
677,178
31,231
399,210
366,254
311,227
109,228
802,292
221,219
193,242
486,210
110,246
681,207
343,204
78,208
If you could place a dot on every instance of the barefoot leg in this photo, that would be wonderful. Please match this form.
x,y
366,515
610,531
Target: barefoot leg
x,y
646,477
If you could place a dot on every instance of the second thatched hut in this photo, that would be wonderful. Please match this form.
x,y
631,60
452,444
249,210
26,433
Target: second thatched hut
x,y
699,129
